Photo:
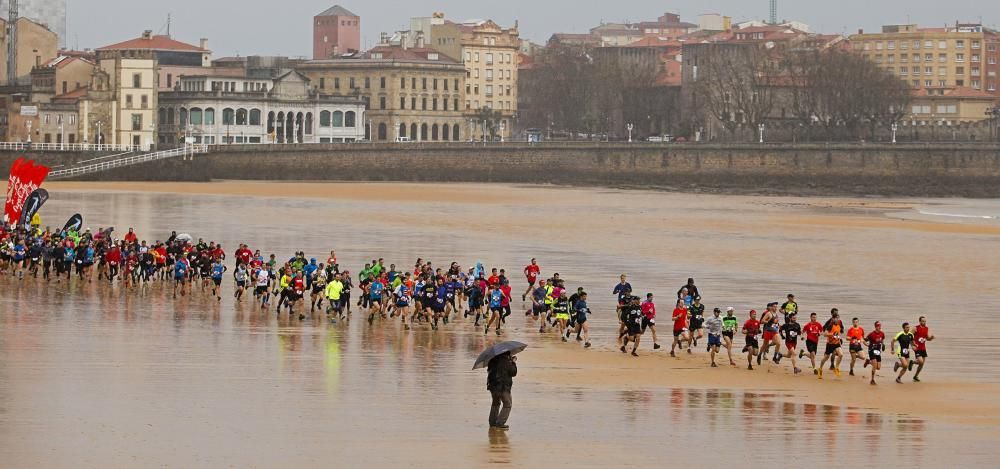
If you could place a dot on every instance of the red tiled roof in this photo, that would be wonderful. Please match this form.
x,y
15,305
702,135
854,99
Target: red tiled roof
x,y
62,61
654,41
956,92
73,95
412,54
154,43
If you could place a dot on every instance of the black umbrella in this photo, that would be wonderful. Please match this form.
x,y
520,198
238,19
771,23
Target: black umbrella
x,y
496,350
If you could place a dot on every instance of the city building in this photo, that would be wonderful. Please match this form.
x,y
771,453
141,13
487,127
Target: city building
x,y
49,13
36,44
714,22
959,56
173,58
948,106
285,109
336,31
132,83
35,102
413,93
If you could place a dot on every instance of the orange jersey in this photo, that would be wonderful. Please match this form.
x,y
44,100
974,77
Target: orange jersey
x,y
856,334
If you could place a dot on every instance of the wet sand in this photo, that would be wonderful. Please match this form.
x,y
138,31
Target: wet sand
x,y
90,378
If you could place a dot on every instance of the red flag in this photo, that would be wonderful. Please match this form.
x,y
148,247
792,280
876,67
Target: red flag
x,y
24,178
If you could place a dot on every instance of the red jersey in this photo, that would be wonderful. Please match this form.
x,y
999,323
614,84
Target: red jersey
x,y
532,271
505,301
812,331
113,256
649,310
299,285
130,237
920,335
876,338
752,326
244,255
218,254
856,334
493,280
680,319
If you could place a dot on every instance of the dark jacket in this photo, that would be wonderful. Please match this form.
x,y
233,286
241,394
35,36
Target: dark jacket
x,y
502,371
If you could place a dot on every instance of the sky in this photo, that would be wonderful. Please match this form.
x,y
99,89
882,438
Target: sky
x,y
284,27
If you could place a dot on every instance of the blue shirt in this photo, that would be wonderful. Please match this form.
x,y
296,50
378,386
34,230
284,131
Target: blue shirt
x,y
376,290
180,269
496,298
217,271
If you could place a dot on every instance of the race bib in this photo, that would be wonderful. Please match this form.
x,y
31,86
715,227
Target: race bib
x,y
876,352
905,351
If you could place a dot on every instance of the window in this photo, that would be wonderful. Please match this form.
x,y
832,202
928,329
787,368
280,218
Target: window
x,y
322,83
904,45
468,56
324,118
468,104
942,71
210,116
434,104
475,73
928,83
477,56
145,101
349,119
928,57
959,70
241,117
489,75
489,91
891,59
928,44
456,84
413,83
368,83
413,104
868,46
136,80
381,102
336,83
196,116
891,45
128,101
903,71
975,58
456,104
928,71
942,58
338,119
445,84
903,59
136,122
489,59
402,103
170,81
878,45
942,44
424,83
255,116
423,104
402,83
975,72
382,82
228,116
435,84
975,84
958,58
960,44
992,60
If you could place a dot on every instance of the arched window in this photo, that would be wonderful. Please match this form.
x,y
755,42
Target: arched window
x,y
338,119
423,132
162,115
228,116
241,117
324,118
402,130
170,116
183,118
309,123
255,117
413,131
382,131
195,115
210,116
444,130
455,133
434,132
350,119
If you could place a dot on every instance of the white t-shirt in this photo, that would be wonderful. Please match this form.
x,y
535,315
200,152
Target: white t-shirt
x,y
262,278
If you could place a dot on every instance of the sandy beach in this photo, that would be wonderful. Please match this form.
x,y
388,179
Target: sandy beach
x,y
867,257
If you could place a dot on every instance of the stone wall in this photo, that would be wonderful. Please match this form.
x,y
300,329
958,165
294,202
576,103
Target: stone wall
x,y
918,170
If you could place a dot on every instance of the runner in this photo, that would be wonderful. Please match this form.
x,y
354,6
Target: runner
x,y
240,276
769,322
812,331
217,272
531,273
729,324
876,345
922,336
750,329
582,310
790,332
632,317
495,309
834,327
680,318
697,314
649,318
180,275
403,295
714,326
856,338
904,339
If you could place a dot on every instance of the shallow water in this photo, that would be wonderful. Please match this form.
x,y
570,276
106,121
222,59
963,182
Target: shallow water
x,y
90,377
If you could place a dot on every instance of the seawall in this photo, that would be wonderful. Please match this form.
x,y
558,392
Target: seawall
x,y
855,169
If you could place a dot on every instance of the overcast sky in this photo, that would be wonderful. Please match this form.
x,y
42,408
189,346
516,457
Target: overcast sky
x,y
283,27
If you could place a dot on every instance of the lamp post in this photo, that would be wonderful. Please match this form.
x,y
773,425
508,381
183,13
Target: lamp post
x,y
629,127
62,134
760,129
503,126
895,127
28,123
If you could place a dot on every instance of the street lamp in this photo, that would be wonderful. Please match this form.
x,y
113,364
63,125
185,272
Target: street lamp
x,y
629,127
99,139
503,126
62,134
760,128
28,123
894,128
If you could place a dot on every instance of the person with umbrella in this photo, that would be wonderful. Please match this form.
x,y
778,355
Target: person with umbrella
x,y
502,368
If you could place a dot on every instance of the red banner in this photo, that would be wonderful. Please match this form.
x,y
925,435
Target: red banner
x,y
24,178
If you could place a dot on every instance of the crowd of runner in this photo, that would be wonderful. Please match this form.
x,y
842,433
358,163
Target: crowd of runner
x,y
430,296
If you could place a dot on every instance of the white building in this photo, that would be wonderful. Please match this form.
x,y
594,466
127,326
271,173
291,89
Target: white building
x,y
224,110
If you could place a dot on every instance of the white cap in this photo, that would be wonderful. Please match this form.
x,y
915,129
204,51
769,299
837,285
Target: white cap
x,y
729,309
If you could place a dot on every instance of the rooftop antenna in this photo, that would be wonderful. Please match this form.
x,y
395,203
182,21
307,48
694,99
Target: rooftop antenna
x,y
168,24
774,11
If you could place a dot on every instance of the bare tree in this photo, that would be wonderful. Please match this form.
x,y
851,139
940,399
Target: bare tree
x,y
733,83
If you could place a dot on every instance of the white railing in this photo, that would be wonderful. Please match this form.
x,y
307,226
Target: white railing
x,y
22,146
186,150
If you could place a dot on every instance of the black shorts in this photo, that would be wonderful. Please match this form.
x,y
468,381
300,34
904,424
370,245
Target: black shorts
x,y
831,349
217,281
260,290
678,333
753,343
855,348
811,346
729,334
539,309
696,323
920,353
646,322
633,328
581,318
875,354
317,289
